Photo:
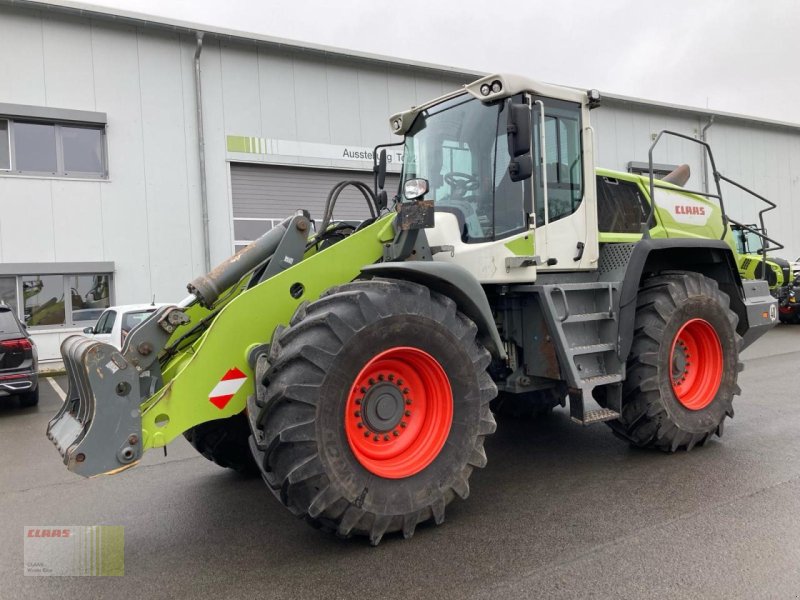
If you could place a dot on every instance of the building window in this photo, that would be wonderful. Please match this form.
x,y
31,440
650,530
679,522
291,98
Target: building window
x,y
74,300
8,292
38,147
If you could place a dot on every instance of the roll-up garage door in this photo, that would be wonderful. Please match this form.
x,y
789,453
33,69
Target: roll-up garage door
x,y
266,194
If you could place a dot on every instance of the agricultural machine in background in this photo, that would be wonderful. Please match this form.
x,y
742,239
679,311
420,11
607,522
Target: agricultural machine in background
x,y
782,276
354,366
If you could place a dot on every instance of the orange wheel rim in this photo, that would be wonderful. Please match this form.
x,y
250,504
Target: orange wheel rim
x,y
399,412
696,364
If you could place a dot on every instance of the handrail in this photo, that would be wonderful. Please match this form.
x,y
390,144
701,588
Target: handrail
x,y
718,177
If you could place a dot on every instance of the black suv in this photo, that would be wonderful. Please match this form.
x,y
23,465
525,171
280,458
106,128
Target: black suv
x,y
18,360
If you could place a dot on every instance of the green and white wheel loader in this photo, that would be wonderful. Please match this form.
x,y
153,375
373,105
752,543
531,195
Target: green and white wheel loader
x,y
353,365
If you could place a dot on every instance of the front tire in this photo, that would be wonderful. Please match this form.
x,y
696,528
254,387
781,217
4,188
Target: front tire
x,y
683,365
375,409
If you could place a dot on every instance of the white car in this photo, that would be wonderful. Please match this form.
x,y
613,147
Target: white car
x,y
116,322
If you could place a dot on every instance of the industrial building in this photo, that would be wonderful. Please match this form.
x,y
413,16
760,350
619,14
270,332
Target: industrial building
x,y
135,151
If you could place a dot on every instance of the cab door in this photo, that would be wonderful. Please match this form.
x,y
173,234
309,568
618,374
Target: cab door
x,y
564,188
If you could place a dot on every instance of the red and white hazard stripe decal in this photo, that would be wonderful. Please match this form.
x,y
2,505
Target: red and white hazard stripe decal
x,y
226,388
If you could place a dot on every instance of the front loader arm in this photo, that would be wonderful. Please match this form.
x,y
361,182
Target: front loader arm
x,y
208,379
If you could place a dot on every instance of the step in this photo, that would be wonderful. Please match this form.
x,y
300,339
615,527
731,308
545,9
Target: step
x,y
584,317
598,380
597,416
593,348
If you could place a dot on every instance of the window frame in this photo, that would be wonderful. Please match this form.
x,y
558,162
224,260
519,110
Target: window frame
x,y
69,322
58,126
8,135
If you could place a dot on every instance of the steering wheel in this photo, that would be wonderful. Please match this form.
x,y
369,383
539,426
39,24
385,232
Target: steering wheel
x,y
461,183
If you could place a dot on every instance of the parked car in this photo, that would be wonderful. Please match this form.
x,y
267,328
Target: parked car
x,y
116,322
19,362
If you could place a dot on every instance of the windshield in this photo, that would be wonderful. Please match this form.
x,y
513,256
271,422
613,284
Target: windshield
x,y
747,242
460,147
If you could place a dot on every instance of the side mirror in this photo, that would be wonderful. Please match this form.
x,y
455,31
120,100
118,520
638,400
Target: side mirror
x,y
519,130
88,330
381,179
519,133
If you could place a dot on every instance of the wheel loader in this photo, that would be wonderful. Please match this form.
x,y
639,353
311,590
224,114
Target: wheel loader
x,y
354,365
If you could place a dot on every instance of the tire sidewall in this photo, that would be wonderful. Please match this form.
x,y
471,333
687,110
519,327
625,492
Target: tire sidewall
x,y
708,418
366,490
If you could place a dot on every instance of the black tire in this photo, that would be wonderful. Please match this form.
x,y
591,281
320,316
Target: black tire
x,y
225,442
652,416
308,462
528,405
29,399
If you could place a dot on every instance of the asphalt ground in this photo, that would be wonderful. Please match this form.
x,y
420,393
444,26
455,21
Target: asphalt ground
x,y
561,511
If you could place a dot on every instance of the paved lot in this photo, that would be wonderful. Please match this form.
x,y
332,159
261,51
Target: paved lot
x,y
560,512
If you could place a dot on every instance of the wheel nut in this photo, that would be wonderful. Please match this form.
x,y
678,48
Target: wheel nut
x,y
358,413
391,376
358,401
366,434
376,438
408,413
360,425
380,377
396,433
402,424
371,381
405,390
363,390
408,401
399,382
386,438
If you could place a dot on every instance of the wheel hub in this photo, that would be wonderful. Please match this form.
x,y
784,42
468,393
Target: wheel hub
x,y
383,406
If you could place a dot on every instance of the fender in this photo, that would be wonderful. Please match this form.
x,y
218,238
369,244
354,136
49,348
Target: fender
x,y
712,258
456,283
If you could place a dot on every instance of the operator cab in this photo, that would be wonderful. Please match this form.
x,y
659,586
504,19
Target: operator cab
x,y
500,166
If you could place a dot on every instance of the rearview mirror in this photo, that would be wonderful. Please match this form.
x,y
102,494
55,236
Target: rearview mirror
x,y
519,130
88,330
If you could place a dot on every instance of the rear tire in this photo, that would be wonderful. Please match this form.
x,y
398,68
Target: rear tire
x,y
347,354
683,364
225,442
29,399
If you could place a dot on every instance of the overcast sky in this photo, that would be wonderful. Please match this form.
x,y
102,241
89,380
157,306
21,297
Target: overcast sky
x,y
729,55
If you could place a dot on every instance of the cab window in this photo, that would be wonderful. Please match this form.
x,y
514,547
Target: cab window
x,y
562,167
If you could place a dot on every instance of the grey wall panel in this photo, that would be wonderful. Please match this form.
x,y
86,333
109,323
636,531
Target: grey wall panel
x,y
219,206
311,100
21,79
273,192
277,95
78,232
163,124
124,210
240,89
26,220
343,103
69,73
